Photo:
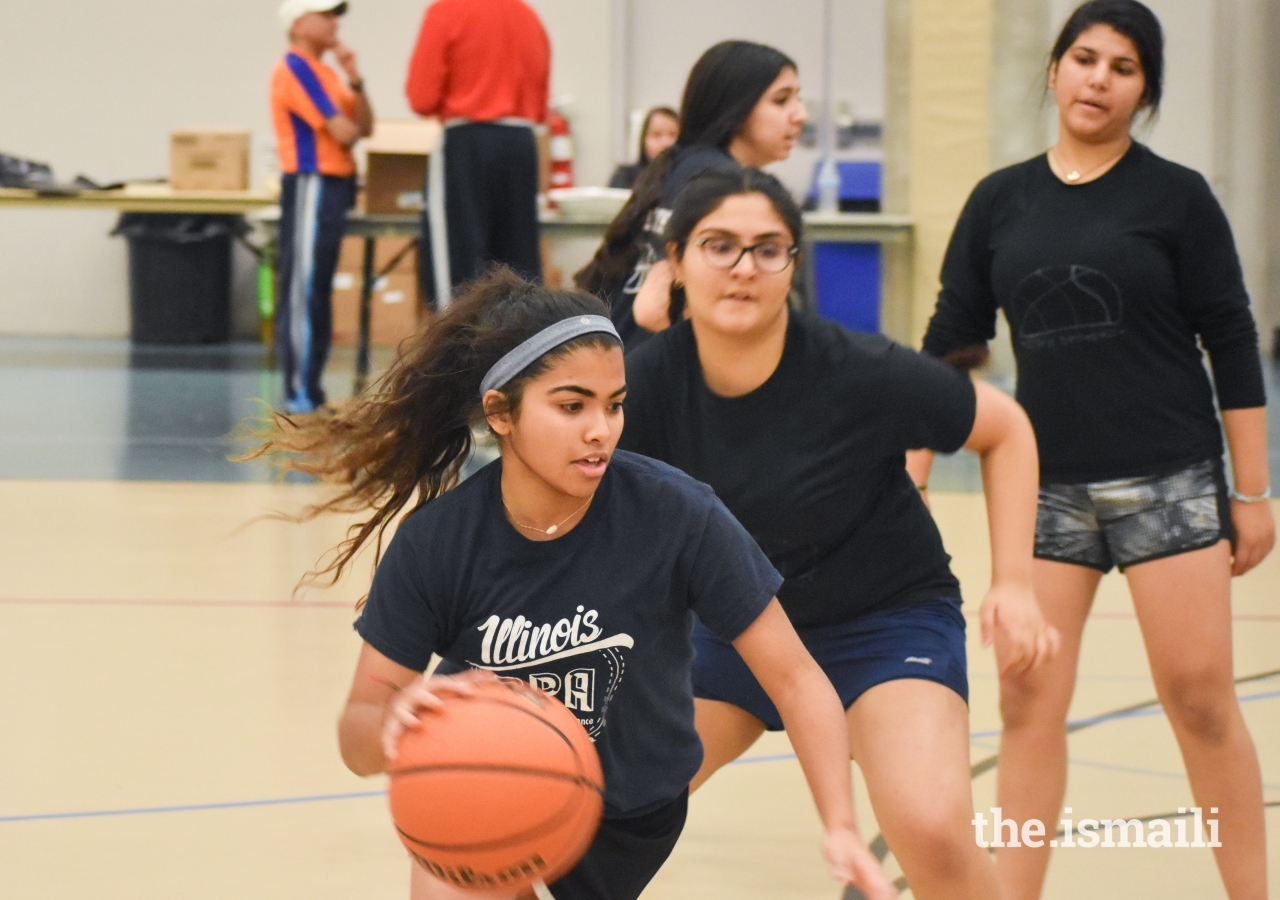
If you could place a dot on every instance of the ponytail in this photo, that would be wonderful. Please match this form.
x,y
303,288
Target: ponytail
x,y
620,249
411,431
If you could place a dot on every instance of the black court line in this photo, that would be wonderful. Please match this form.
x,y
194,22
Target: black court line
x,y
880,848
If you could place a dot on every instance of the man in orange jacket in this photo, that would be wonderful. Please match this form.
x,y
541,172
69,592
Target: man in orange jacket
x,y
317,118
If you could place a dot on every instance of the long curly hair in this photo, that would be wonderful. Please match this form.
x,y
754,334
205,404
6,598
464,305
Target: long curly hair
x,y
410,433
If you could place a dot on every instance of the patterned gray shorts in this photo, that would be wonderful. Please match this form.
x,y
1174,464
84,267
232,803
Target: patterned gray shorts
x,y
1133,520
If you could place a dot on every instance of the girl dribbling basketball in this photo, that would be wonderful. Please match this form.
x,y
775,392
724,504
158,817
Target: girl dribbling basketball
x,y
563,563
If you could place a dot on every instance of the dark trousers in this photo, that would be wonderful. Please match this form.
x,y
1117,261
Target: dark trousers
x,y
490,204
313,219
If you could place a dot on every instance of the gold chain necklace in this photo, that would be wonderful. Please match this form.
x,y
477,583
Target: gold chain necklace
x,y
554,528
1075,175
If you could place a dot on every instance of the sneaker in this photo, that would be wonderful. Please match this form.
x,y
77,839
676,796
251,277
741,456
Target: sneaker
x,y
299,405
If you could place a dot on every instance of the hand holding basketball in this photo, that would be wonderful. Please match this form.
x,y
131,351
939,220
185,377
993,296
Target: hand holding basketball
x,y
501,788
425,693
852,863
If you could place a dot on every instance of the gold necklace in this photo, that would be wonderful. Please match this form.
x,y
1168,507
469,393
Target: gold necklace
x,y
1075,175
554,528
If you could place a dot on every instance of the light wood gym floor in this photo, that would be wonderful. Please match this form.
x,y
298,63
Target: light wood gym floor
x,y
168,712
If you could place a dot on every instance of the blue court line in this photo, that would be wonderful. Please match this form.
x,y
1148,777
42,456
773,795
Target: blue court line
x,y
197,807
993,676
777,757
1130,714
1092,764
277,801
1131,770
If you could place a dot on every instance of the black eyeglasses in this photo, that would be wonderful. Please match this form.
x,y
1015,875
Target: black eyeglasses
x,y
769,256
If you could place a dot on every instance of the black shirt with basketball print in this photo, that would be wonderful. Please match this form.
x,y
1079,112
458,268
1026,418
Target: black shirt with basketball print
x,y
812,461
689,163
600,617
1107,287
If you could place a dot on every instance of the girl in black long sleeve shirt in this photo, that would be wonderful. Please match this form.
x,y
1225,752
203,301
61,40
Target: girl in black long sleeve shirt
x,y
1114,268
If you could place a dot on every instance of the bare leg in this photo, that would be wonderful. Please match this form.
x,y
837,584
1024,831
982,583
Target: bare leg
x,y
1032,778
1183,604
726,731
911,739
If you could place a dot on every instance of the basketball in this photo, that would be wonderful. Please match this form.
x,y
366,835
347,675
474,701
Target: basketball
x,y
498,789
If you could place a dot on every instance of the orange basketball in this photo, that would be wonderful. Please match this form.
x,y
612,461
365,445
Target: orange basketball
x,y
498,789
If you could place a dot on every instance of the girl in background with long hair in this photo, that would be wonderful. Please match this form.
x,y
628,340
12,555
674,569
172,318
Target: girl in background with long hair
x,y
1114,267
563,560
659,131
741,107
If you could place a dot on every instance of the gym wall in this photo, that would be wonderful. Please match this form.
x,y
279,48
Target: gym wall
x,y
98,88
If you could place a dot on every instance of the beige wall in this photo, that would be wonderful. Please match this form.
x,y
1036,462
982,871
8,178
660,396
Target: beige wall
x,y
947,49
96,88
666,37
1246,173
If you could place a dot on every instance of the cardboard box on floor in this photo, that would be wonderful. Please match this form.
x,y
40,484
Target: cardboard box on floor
x,y
396,307
209,159
396,164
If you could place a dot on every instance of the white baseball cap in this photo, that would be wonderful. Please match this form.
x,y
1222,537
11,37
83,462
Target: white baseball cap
x,y
292,10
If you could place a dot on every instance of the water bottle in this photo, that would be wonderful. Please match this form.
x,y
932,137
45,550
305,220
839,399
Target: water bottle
x,y
828,187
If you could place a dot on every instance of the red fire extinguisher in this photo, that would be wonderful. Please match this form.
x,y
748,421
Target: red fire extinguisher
x,y
561,150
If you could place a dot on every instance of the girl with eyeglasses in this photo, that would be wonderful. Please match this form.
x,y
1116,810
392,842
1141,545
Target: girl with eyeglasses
x,y
801,427
741,107
1114,268
563,563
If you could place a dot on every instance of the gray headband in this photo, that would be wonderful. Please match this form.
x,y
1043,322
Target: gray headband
x,y
541,344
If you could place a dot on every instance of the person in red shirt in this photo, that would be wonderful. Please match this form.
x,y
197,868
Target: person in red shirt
x,y
484,68
318,118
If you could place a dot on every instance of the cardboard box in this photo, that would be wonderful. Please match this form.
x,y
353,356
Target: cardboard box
x,y
351,255
395,308
209,159
396,164
393,315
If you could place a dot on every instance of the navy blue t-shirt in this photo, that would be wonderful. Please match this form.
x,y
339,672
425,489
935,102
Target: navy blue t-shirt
x,y
601,617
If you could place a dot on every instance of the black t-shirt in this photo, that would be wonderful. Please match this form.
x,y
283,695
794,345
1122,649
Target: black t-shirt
x,y
688,164
812,461
625,175
1107,286
600,617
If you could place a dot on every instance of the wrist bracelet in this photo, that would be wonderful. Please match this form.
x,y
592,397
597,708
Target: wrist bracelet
x,y
357,86
922,487
1245,498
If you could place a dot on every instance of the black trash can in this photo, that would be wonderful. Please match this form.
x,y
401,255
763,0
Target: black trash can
x,y
179,276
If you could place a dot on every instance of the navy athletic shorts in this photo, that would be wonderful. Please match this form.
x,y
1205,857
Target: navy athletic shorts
x,y
1126,521
923,641
625,854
